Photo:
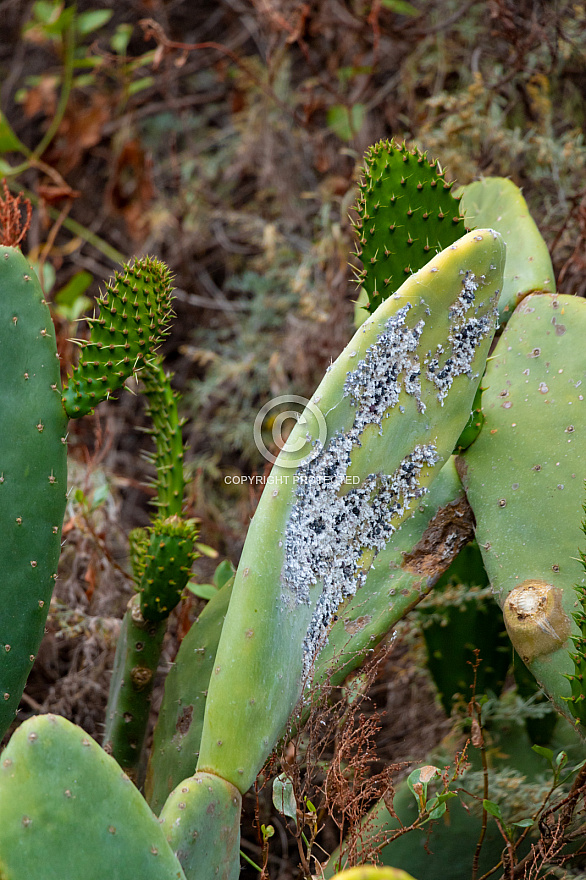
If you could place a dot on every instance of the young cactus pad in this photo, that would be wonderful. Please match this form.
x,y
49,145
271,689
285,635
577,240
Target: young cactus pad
x,y
167,566
33,473
498,203
406,213
524,479
166,432
201,820
134,315
67,811
378,429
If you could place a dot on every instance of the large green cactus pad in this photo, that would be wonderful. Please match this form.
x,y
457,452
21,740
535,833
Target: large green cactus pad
x,y
134,314
68,811
376,433
201,820
407,213
400,576
524,479
33,473
498,203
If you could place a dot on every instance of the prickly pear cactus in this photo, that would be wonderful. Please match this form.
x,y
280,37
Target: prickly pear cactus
x,y
201,820
167,566
67,810
378,429
129,701
498,203
134,314
524,479
177,735
407,213
399,578
166,432
33,473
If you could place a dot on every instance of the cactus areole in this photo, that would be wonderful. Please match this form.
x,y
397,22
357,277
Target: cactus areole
x,y
33,473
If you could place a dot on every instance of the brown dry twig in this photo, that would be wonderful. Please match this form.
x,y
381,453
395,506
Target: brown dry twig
x,y
12,228
153,31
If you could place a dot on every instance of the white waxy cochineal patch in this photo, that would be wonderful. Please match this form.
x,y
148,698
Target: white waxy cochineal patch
x,y
327,533
464,337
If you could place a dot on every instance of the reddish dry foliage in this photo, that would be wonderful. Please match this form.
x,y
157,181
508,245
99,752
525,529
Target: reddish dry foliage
x,y
12,228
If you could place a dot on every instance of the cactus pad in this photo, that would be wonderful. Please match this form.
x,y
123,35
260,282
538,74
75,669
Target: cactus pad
x,y
407,213
400,576
392,406
135,665
166,432
133,318
524,479
201,820
67,810
177,735
498,203
33,473
167,566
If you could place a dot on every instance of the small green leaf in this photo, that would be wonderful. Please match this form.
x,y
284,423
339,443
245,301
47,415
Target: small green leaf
x,y
310,806
69,301
139,85
284,797
121,38
223,573
206,551
561,760
47,11
202,591
493,809
435,812
524,823
267,831
545,753
344,122
9,142
100,495
93,20
401,7
418,781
